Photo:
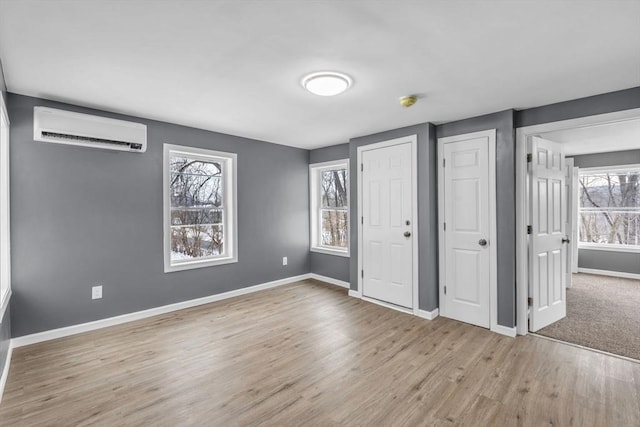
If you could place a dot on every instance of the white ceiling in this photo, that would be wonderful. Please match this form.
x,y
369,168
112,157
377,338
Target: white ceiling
x,y
235,66
602,138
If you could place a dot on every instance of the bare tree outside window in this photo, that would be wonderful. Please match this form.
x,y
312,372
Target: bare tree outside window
x,y
334,206
196,208
610,207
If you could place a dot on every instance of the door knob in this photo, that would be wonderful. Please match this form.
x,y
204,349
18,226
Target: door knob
x,y
482,242
566,240
407,234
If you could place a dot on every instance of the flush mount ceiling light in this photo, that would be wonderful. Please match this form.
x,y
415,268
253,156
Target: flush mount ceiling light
x,y
326,83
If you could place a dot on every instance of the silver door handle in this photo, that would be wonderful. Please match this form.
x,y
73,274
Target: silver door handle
x,y
407,234
566,240
482,242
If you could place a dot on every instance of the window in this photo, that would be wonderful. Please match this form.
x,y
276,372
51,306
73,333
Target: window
x,y
330,207
609,212
199,208
5,260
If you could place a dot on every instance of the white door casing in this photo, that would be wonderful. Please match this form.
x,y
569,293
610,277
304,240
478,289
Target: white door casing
x,y
466,193
387,224
570,216
548,210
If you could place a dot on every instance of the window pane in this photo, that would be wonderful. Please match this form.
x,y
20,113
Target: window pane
x,y
189,242
195,183
610,207
190,216
333,188
334,228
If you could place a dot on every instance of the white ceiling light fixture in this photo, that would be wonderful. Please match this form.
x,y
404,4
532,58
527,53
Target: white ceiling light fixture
x,y
326,83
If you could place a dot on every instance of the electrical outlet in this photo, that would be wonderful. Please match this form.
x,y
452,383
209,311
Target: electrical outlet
x,y
96,292
284,260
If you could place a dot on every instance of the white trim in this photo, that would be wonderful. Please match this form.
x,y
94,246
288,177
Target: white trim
x,y
621,274
326,251
4,305
413,140
330,280
5,369
504,330
429,315
230,206
522,135
633,167
493,241
355,294
130,317
608,247
314,207
5,206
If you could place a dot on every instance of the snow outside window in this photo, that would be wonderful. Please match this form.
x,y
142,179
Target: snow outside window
x,y
199,202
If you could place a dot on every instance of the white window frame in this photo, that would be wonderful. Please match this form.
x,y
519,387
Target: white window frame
x,y
605,246
230,204
5,210
315,170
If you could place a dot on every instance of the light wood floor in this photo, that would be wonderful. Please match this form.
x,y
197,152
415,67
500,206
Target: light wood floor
x,y
307,354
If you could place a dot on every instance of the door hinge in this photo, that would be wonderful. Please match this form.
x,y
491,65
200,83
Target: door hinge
x,y
445,226
444,163
361,220
530,301
445,290
362,273
529,158
529,229
361,167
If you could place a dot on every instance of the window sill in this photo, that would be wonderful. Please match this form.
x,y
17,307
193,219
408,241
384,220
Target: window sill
x,y
328,251
5,305
190,265
608,248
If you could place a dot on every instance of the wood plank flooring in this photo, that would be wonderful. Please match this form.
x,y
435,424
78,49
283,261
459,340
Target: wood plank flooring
x,y
307,354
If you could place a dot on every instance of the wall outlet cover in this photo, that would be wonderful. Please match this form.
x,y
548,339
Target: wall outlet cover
x,y
284,260
96,292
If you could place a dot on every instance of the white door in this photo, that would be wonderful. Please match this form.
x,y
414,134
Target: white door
x,y
547,243
465,195
570,216
387,224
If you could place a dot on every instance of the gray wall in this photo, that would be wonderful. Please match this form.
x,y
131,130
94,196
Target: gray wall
x,y
336,267
427,208
82,216
625,262
504,123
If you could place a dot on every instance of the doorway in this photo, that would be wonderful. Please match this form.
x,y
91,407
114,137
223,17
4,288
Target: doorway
x,y
580,138
467,228
387,230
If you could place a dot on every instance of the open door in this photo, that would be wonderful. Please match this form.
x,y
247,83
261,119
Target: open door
x,y
548,240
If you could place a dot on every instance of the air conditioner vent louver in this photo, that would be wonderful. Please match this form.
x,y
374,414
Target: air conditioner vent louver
x,y
64,136
66,127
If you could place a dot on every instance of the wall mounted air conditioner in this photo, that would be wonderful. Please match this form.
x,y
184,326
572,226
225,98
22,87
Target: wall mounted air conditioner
x,y
85,130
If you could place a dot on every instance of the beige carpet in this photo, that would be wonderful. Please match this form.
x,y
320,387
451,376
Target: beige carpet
x,y
602,313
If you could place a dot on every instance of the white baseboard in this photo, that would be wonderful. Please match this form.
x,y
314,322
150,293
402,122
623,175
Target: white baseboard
x,y
504,330
330,280
429,315
129,317
609,273
354,294
5,370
